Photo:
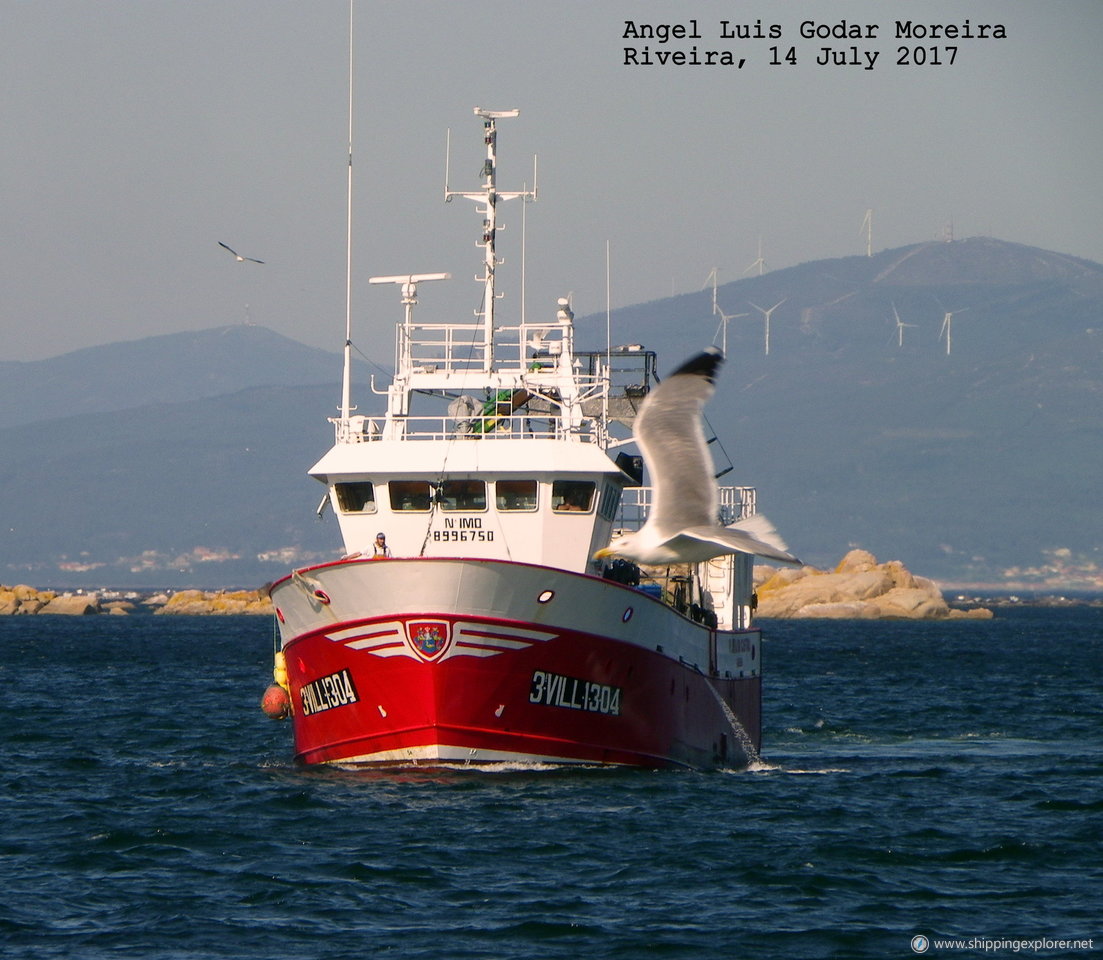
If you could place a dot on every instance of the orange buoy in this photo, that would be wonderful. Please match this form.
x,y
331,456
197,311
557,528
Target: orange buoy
x,y
275,703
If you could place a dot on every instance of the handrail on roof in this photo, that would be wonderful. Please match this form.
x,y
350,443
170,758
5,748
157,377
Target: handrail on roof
x,y
361,429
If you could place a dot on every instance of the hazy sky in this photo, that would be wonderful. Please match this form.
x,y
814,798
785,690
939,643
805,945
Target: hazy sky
x,y
136,134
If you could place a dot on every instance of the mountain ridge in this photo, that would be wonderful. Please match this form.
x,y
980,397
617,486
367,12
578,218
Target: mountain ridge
x,y
971,461
164,368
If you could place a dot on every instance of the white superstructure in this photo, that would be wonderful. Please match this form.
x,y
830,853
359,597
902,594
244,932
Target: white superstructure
x,y
496,442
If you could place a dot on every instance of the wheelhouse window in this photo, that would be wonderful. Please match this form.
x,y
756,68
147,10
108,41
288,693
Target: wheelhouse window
x,y
515,494
572,495
462,495
356,497
410,495
610,500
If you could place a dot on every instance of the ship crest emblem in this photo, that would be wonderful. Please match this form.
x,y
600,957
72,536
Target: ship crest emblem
x,y
429,638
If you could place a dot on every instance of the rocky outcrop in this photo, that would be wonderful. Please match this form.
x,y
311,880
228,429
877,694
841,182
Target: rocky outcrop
x,y
859,588
217,603
74,605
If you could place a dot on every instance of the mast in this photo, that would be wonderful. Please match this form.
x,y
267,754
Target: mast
x,y
346,375
489,196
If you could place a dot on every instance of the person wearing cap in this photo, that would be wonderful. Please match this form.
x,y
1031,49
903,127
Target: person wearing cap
x,y
380,548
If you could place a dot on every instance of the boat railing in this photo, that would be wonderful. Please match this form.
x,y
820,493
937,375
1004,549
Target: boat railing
x,y
456,348
736,503
517,426
439,347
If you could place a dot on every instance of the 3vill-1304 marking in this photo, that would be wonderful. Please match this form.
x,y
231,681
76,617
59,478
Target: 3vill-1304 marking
x,y
557,690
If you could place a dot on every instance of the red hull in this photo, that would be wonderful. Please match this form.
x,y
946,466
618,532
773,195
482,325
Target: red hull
x,y
447,686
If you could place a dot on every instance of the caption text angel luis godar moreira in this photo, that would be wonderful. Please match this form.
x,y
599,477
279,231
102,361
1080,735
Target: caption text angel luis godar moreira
x,y
822,43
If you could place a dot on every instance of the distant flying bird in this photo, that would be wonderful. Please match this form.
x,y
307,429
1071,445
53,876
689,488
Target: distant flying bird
x,y
237,256
682,525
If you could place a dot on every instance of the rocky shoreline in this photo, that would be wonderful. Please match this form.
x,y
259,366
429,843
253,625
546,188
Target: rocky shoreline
x,y
22,599
859,588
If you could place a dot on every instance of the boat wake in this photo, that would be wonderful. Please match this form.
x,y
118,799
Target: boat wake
x,y
761,766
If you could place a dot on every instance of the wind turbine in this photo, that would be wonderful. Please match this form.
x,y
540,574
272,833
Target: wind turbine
x,y
711,278
760,263
900,327
947,323
717,312
766,315
724,318
867,226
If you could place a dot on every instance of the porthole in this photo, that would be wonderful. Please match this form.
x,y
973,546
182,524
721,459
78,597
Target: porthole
x,y
546,596
279,615
627,615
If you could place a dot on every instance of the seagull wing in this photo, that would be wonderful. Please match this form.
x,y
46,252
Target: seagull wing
x,y
754,535
669,434
236,254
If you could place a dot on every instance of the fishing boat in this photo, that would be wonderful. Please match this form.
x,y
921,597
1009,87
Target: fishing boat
x,y
469,620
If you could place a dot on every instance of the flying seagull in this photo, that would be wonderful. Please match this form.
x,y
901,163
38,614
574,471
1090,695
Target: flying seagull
x,y
237,256
682,525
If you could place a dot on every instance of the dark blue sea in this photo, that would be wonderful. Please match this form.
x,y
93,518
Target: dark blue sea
x,y
918,779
